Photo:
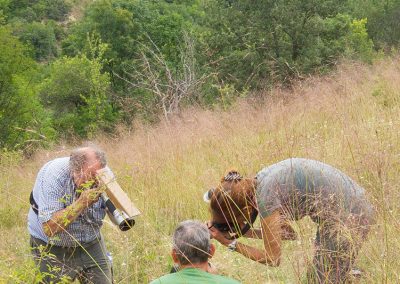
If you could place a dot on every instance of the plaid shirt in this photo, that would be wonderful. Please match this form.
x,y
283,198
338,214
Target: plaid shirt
x,y
53,191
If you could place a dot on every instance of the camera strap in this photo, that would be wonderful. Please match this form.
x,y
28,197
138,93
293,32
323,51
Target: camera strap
x,y
248,225
33,203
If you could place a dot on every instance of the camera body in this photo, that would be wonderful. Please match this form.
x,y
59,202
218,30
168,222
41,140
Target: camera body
x,y
117,201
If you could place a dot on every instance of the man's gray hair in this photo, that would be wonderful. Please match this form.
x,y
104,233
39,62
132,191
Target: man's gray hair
x,y
191,242
78,158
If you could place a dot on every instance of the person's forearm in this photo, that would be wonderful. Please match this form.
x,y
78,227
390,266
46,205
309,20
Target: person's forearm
x,y
288,233
255,254
254,234
61,219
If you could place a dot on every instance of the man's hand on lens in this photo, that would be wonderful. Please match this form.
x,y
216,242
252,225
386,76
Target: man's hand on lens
x,y
89,196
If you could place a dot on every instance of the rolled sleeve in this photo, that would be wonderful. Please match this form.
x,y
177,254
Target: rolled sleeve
x,y
51,197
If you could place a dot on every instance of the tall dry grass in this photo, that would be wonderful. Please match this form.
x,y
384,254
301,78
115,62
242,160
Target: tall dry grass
x,y
349,119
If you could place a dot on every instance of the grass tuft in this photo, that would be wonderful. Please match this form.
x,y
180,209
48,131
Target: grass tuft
x,y
349,120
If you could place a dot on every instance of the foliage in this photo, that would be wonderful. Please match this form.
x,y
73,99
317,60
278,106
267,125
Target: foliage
x,y
133,31
41,36
23,122
78,93
36,10
274,41
360,42
383,20
126,25
164,55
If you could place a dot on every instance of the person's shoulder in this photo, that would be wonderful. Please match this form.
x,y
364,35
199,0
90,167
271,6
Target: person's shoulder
x,y
57,163
59,166
275,170
190,277
166,279
56,170
224,280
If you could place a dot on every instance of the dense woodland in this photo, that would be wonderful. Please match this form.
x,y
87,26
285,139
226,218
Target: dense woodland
x,y
70,69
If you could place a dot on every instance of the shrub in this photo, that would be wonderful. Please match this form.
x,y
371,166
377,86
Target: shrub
x,y
42,38
78,93
23,122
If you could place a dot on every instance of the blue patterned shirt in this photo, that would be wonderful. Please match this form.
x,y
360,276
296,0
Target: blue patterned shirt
x,y
53,191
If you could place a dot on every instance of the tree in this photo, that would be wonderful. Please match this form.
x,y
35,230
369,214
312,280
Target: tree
x,y
23,122
253,43
170,88
41,37
78,93
131,30
36,10
383,24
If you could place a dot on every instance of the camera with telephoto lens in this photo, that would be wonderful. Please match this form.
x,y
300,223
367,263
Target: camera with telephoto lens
x,y
123,221
117,201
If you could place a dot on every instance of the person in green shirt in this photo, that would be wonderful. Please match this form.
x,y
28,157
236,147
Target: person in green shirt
x,y
192,248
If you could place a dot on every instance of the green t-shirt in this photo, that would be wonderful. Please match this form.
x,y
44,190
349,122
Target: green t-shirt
x,y
193,276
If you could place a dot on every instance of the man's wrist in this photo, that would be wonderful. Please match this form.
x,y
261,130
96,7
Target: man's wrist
x,y
226,242
233,245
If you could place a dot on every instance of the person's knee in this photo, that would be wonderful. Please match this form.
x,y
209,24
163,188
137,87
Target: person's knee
x,y
101,275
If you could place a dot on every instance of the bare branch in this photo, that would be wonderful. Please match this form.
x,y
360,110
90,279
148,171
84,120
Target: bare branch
x,y
152,73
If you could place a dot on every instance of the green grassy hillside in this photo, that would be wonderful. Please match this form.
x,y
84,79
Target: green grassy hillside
x,y
349,119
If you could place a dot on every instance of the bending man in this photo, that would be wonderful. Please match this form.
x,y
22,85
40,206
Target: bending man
x,y
65,219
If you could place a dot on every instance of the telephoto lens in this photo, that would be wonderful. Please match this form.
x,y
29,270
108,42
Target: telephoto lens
x,y
121,219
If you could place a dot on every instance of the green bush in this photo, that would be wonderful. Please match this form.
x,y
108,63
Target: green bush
x,y
359,43
56,10
78,93
133,30
383,24
42,38
36,10
23,121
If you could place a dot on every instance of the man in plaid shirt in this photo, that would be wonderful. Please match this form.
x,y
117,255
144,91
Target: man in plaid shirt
x,y
65,219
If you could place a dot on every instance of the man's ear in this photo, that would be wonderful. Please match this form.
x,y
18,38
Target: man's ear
x,y
174,256
212,250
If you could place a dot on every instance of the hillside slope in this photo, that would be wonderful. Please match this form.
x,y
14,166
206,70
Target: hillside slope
x,y
349,119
